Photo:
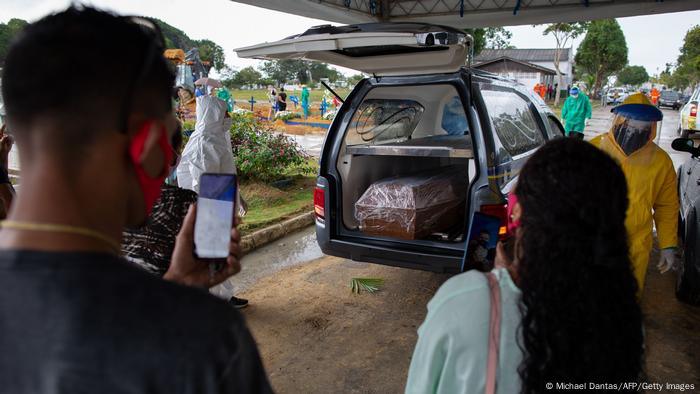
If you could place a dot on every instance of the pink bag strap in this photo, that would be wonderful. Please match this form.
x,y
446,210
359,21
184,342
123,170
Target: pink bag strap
x,y
494,333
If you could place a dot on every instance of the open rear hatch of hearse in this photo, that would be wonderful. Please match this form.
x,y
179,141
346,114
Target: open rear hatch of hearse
x,y
374,48
398,159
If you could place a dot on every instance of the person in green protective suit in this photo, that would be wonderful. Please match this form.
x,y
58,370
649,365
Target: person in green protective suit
x,y
305,100
575,112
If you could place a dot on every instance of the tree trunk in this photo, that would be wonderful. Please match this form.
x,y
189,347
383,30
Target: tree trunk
x,y
557,94
598,80
557,54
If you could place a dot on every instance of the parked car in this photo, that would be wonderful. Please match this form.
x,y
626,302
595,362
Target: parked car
x,y
688,282
616,96
670,98
684,99
687,123
421,114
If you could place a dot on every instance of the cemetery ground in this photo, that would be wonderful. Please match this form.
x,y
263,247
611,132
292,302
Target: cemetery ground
x,y
261,95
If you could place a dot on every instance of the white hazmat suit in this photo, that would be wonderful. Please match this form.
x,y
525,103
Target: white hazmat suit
x,y
209,146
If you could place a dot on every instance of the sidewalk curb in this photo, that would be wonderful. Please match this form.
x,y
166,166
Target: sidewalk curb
x,y
272,233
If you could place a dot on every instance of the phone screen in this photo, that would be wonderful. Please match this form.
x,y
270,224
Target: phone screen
x,y
215,210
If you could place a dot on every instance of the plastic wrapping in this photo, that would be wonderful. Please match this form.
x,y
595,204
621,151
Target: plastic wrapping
x,y
414,207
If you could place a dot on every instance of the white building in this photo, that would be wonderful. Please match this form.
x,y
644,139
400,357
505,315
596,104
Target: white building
x,y
540,60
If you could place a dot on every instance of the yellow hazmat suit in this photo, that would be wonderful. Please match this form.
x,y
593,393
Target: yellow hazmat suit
x,y
651,181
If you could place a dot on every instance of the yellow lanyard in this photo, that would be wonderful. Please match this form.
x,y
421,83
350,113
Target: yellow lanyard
x,y
62,228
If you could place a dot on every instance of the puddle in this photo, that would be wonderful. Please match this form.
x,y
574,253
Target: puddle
x,y
289,251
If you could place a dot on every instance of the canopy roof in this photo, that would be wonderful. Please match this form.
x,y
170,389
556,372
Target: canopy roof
x,y
472,13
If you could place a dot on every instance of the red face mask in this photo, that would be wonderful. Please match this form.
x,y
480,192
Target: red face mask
x,y
512,226
150,186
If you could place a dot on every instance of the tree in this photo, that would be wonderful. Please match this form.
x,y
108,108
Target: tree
x,y
682,77
227,76
498,38
175,38
7,32
603,52
246,77
285,70
321,70
355,79
690,50
478,39
16,25
633,75
209,51
490,38
563,32
687,72
303,71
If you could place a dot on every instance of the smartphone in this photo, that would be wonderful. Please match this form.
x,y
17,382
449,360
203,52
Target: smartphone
x,y
216,207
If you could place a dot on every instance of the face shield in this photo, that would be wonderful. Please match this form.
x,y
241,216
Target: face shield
x,y
632,135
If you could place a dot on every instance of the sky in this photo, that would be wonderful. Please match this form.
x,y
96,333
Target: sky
x,y
652,40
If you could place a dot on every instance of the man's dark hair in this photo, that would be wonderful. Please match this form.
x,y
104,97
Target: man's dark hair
x,y
77,70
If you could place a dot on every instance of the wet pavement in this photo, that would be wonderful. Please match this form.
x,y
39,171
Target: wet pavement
x,y
297,248
312,144
602,118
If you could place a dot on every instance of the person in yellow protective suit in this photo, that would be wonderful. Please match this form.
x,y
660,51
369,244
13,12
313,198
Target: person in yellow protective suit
x,y
651,182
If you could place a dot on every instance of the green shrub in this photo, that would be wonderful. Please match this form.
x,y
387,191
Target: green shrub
x,y
187,130
188,125
289,116
263,155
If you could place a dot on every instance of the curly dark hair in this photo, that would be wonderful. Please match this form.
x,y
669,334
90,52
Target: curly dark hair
x,y
581,319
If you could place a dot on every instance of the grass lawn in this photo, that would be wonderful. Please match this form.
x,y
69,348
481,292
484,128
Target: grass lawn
x,y
268,205
260,95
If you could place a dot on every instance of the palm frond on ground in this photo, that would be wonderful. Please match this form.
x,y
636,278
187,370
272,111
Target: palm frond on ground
x,y
369,285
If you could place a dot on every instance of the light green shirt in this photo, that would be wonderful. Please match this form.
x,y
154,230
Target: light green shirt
x,y
452,349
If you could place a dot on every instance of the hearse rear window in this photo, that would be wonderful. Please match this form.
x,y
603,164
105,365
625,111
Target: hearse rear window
x,y
379,121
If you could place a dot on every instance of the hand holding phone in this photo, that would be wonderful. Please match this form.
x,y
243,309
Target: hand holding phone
x,y
188,270
216,209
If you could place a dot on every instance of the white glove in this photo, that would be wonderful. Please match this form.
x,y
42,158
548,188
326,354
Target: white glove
x,y
667,261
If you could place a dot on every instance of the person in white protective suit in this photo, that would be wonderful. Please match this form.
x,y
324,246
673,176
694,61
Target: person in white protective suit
x,y
209,147
209,150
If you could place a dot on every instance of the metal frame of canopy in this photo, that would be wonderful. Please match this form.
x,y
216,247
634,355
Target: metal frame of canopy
x,y
472,13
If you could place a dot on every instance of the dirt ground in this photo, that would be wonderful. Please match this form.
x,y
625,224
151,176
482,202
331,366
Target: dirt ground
x,y
262,111
316,336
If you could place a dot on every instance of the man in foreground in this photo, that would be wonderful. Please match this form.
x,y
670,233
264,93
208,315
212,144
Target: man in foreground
x,y
74,316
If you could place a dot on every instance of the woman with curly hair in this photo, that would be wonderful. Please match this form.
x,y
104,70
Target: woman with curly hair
x,y
568,307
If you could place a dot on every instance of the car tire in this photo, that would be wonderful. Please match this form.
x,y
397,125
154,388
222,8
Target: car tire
x,y
688,278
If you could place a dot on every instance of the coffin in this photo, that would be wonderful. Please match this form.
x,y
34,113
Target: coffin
x,y
416,206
